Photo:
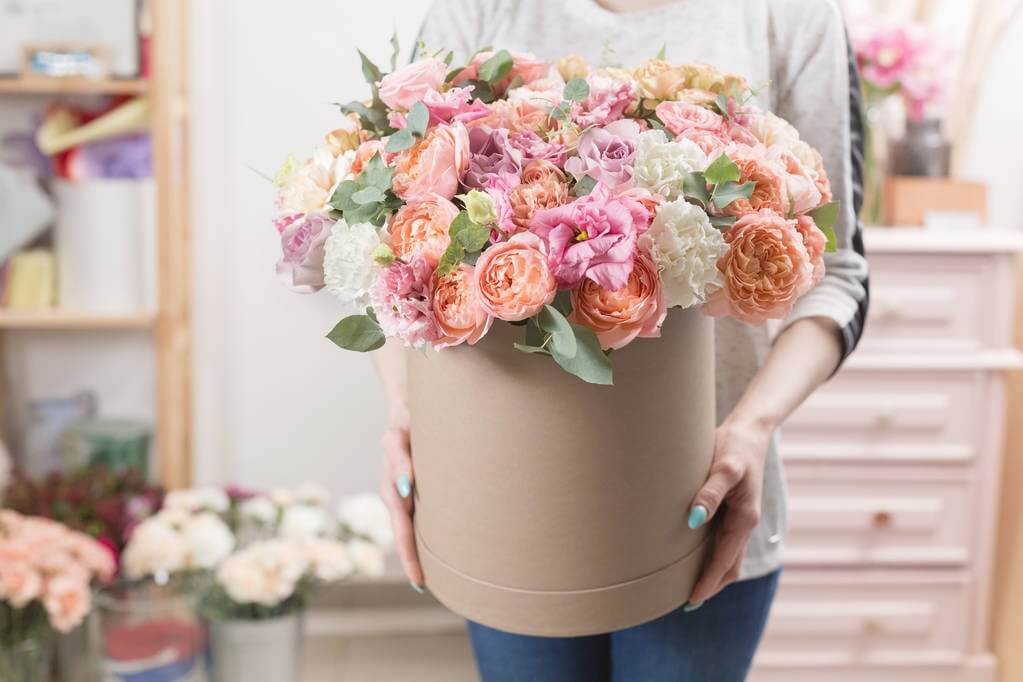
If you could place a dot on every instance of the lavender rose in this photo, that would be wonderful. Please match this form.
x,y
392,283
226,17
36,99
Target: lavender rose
x,y
605,154
490,154
302,249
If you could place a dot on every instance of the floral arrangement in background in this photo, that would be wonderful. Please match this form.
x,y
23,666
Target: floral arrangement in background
x,y
47,572
581,203
254,556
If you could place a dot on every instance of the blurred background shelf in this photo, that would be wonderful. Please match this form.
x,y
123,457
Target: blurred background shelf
x,y
72,86
70,320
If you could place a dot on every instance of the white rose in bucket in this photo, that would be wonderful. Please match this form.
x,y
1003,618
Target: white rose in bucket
x,y
155,548
366,515
209,540
265,573
301,521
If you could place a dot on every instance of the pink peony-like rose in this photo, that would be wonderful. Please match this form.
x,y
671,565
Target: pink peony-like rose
x,y
456,307
455,105
739,134
602,106
421,228
637,310
434,165
513,281
594,236
403,305
67,600
490,154
515,116
770,192
766,270
605,154
711,142
409,84
816,243
531,146
302,249
800,182
680,116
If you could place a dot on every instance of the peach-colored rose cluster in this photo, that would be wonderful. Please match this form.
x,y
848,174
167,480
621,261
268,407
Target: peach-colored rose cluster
x,y
46,562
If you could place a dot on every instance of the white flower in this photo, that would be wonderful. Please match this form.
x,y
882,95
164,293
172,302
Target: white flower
x,y
546,92
154,547
308,187
773,130
686,248
610,78
367,516
197,499
302,521
264,573
312,494
259,509
661,165
367,557
328,559
348,267
209,540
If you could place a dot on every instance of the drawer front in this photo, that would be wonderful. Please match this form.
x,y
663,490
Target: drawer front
x,y
889,416
934,302
870,518
835,619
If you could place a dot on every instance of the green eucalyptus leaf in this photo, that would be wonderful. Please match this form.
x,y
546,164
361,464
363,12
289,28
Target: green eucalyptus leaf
x,y
827,215
663,54
577,89
589,363
357,332
374,119
722,222
584,186
531,349
722,170
563,341
449,57
370,71
400,141
376,174
694,187
472,236
722,104
728,192
450,260
418,119
534,335
482,91
497,67
341,199
395,50
369,195
563,302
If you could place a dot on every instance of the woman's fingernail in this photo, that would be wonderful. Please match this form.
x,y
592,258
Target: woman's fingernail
x,y
697,516
404,485
418,588
689,608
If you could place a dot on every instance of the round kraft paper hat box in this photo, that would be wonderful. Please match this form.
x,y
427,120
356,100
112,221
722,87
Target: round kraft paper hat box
x,y
549,506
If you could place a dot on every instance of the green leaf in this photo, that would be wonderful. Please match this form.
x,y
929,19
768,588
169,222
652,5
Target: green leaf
x,y
663,54
342,196
563,302
827,215
374,119
722,104
655,123
722,222
472,236
418,118
453,73
577,89
482,91
534,335
369,195
563,341
497,67
832,245
450,260
395,50
531,349
584,186
289,166
728,192
590,363
357,332
722,170
370,71
694,187
449,57
376,174
400,141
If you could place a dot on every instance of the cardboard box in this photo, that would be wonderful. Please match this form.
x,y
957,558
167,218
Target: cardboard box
x,y
910,200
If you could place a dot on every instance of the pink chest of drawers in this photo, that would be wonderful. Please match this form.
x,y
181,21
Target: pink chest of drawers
x,y
893,472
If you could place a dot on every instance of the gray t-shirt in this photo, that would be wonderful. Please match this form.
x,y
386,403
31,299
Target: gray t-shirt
x,y
799,47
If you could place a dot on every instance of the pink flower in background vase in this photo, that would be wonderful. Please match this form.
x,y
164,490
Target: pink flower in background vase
x,y
636,310
594,236
681,116
302,242
606,154
434,165
409,84
513,281
602,106
67,600
456,306
401,300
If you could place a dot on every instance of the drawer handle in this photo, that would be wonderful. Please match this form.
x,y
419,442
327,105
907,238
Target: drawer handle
x,y
884,421
888,313
882,520
872,626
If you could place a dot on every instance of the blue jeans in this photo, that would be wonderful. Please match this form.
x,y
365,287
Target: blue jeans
x,y
714,643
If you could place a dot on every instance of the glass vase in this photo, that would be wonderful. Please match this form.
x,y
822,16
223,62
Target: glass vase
x,y
923,152
25,644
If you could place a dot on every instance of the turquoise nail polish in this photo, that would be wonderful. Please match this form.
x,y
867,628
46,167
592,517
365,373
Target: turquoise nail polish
x,y
689,608
697,516
404,486
418,588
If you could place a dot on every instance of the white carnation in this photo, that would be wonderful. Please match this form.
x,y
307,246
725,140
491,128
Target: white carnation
x,y
543,92
264,573
348,267
367,558
301,521
686,248
154,547
209,540
367,516
197,499
328,559
661,165
258,509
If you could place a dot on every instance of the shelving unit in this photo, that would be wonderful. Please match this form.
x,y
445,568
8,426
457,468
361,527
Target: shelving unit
x,y
170,323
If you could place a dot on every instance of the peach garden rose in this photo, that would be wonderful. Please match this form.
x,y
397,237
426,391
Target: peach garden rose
x,y
422,227
513,280
618,317
434,165
456,308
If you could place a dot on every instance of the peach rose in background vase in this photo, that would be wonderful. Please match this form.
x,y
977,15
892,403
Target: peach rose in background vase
x,y
513,281
422,228
764,272
409,84
435,165
637,310
456,307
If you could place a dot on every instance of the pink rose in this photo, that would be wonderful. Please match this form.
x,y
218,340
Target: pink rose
x,y
709,141
594,236
816,243
526,68
402,302
680,116
602,106
434,165
67,600
531,147
513,281
606,154
490,154
454,105
409,84
766,270
20,582
421,228
302,249
800,182
618,317
456,307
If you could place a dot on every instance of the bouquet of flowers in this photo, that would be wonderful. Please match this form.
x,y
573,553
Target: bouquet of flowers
x,y
581,203
249,556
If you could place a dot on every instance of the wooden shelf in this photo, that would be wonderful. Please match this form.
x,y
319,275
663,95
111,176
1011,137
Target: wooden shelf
x,y
72,86
68,320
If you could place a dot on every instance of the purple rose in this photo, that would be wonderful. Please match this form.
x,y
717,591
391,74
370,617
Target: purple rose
x,y
531,146
302,243
605,154
490,154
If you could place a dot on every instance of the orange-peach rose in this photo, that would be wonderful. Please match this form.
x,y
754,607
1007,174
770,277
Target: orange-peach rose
x,y
421,227
526,199
637,310
539,170
658,80
365,153
435,165
456,308
513,281
766,270
516,116
770,192
573,66
816,243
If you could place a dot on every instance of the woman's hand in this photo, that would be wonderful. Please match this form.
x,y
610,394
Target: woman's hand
x,y
396,491
733,491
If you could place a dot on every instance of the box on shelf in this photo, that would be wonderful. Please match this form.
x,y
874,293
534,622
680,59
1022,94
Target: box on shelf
x,y
919,201
30,281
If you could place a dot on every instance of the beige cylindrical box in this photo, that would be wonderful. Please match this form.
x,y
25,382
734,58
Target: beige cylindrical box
x,y
549,506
